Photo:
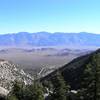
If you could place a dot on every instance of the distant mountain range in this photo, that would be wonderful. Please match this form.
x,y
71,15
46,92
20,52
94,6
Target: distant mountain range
x,y
50,39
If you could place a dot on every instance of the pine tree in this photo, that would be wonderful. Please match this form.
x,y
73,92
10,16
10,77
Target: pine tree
x,y
12,97
96,63
28,92
60,89
38,93
91,80
17,92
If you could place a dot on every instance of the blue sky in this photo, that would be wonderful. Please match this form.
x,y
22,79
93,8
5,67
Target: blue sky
x,y
49,15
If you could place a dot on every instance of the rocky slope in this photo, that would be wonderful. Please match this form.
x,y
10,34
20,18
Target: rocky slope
x,y
3,91
10,72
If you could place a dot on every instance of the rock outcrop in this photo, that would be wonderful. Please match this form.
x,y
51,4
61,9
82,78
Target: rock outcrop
x,y
10,72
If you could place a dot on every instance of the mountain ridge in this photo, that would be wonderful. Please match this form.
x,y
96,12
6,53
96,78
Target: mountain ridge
x,y
50,39
73,71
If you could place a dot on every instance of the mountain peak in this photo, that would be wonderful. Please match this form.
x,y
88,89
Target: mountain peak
x,y
83,33
22,33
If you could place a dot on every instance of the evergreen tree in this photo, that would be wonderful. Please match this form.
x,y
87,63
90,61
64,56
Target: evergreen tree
x,y
12,97
60,89
28,92
17,92
91,80
96,64
38,93
47,86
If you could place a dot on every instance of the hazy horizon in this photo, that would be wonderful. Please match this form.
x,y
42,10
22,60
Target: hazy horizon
x,y
49,32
